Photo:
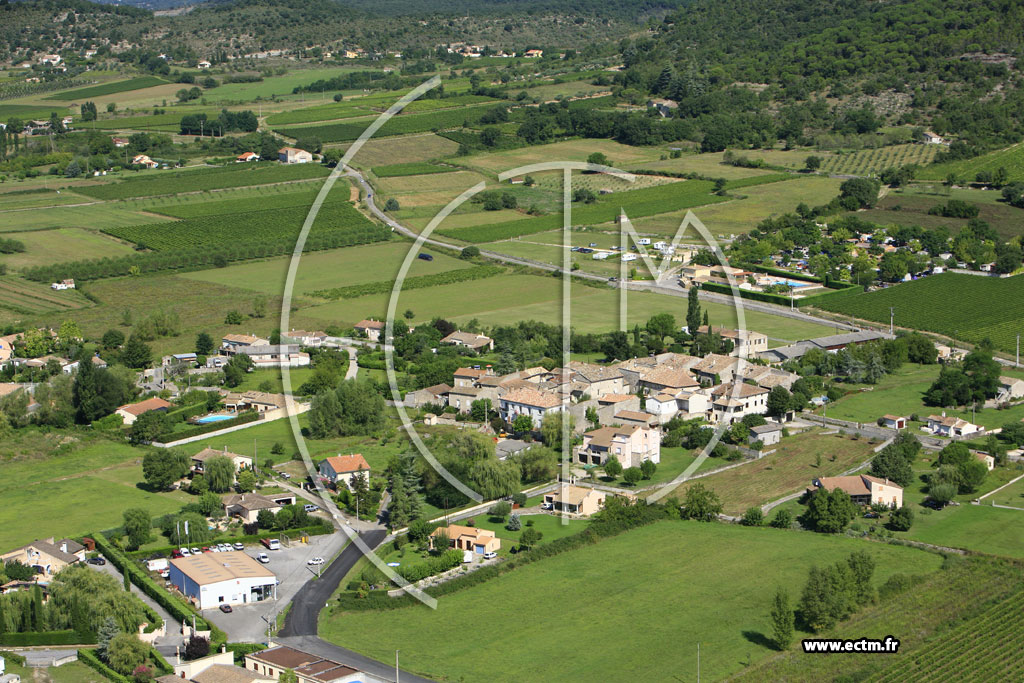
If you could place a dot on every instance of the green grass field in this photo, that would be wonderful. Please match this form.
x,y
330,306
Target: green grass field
x,y
91,215
382,151
19,298
909,206
111,88
408,169
30,111
45,247
668,576
790,469
402,124
986,307
326,269
84,488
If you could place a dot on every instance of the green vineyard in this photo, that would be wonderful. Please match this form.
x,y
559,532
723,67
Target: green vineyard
x,y
985,648
873,161
967,307
107,89
1011,158
272,225
223,207
212,178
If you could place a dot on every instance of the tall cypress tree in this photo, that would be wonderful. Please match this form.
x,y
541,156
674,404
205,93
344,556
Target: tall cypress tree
x,y
85,394
782,619
693,311
37,609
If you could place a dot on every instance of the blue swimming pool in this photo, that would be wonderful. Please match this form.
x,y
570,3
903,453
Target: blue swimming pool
x,y
214,418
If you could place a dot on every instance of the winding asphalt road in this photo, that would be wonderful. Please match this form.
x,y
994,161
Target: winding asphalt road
x,y
300,624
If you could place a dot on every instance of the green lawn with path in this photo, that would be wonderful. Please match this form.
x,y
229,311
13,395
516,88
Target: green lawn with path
x,y
684,581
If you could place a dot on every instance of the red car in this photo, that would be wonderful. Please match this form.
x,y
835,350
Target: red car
x,y
176,554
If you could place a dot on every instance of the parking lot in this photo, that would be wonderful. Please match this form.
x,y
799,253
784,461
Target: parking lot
x,y
244,624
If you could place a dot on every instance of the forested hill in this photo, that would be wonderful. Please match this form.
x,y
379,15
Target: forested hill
x,y
951,63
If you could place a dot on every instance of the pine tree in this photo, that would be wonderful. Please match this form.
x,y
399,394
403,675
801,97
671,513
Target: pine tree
x,y
108,629
814,607
782,620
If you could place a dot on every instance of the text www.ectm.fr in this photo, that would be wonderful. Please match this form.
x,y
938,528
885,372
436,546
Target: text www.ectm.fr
x,y
825,645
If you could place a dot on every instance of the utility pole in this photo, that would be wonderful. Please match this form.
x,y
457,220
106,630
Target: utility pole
x,y
396,666
892,314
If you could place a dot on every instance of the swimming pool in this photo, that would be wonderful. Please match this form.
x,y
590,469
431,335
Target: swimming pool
x,y
214,418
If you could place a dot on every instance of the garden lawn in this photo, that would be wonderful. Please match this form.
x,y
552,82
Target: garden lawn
x,y
791,468
982,528
674,462
551,527
1012,495
683,581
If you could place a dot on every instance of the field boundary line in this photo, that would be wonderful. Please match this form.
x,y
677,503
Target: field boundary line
x,y
1009,483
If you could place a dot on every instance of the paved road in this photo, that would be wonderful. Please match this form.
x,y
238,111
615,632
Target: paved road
x,y
300,625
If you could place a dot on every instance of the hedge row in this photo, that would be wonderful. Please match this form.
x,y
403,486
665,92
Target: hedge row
x,y
185,412
92,660
33,638
245,418
240,650
598,529
185,260
177,608
449,559
418,282
311,530
835,291
778,271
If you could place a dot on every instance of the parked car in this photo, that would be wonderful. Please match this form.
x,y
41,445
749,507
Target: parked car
x,y
176,554
271,543
315,561
285,475
195,551
490,556
226,609
263,557
592,244
99,561
545,506
425,257
184,552
309,507
165,573
238,546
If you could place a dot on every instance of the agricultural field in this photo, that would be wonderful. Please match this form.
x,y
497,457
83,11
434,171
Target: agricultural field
x,y
111,88
635,203
158,183
1011,158
409,169
231,202
935,608
45,247
791,468
35,199
708,164
909,206
401,124
607,605
272,86
867,162
977,649
20,299
986,307
739,216
412,148
85,213
265,226
504,300
164,123
30,111
326,269
621,156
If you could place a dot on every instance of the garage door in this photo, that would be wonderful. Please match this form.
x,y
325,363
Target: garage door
x,y
479,549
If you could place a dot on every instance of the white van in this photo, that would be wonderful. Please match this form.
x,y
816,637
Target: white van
x,y
467,556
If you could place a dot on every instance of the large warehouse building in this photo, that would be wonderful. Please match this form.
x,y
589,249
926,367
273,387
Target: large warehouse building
x,y
214,579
